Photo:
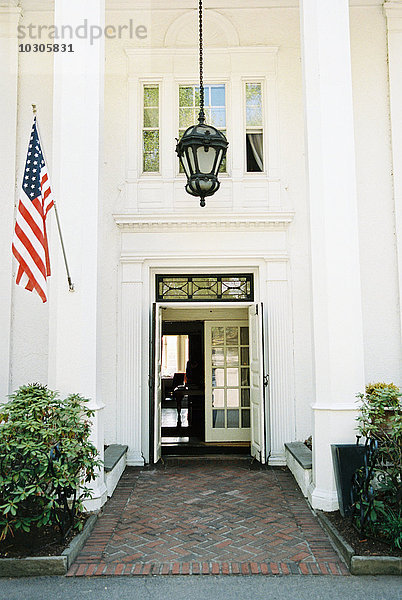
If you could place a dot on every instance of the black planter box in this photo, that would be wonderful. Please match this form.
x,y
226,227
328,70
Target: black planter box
x,y
346,458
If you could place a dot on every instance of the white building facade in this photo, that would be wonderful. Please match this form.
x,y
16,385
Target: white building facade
x,y
313,225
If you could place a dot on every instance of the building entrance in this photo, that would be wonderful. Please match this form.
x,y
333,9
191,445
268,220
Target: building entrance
x,y
208,393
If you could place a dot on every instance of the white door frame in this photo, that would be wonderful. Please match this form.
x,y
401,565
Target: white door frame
x,y
136,294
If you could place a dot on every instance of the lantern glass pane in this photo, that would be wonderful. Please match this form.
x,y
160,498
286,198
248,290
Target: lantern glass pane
x,y
206,158
191,159
185,165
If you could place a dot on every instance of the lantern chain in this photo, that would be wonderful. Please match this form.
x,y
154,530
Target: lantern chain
x,y
201,116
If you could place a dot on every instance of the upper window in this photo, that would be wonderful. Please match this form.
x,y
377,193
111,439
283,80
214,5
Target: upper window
x,y
150,129
214,108
254,128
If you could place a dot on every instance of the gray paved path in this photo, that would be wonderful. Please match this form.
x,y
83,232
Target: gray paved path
x,y
209,587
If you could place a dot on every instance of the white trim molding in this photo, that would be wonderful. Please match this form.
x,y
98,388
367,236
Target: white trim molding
x,y
278,220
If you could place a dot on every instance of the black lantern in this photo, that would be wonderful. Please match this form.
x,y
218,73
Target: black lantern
x,y
202,148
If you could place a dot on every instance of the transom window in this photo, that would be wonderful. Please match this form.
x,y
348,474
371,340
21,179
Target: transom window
x,y
214,108
222,288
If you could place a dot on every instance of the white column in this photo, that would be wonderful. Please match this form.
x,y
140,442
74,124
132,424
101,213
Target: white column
x,y
335,267
74,354
9,17
130,362
279,344
393,11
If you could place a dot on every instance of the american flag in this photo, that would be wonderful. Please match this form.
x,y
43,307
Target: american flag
x,y
30,246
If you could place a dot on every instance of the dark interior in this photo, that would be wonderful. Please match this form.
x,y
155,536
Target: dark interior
x,y
183,402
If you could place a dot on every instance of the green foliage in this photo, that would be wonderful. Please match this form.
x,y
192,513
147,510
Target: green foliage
x,y
380,419
391,526
46,459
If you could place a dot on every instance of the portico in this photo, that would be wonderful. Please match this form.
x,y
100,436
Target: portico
x,y
300,225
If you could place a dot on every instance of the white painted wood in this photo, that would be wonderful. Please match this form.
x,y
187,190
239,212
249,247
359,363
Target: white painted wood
x,y
221,434
257,394
279,344
74,360
9,18
129,367
335,261
157,348
393,11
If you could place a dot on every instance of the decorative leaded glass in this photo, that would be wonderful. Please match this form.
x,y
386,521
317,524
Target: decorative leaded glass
x,y
203,288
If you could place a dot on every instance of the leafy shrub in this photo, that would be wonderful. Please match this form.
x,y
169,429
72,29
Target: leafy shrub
x,y
378,498
46,460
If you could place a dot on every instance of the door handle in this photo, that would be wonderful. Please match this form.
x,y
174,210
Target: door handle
x,y
266,380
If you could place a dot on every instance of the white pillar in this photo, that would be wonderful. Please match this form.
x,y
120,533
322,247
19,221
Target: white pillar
x,y
393,10
74,360
9,17
335,267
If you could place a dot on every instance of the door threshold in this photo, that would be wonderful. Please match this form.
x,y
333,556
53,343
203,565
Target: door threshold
x,y
203,449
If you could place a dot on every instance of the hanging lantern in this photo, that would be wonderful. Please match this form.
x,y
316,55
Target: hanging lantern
x,y
202,147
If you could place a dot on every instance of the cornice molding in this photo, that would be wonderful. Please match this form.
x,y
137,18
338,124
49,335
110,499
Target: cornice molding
x,y
147,223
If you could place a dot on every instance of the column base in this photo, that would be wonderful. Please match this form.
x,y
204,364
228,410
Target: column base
x,y
99,498
321,499
135,458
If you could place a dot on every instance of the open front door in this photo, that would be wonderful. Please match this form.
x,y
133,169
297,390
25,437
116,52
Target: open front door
x,y
257,380
156,384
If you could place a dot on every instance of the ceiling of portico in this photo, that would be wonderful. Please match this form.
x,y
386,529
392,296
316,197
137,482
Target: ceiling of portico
x,y
132,5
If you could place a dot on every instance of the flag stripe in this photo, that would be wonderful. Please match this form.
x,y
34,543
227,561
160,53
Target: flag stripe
x,y
37,254
30,275
39,273
30,244
25,216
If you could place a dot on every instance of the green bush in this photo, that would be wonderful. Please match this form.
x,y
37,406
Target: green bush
x,y
379,509
46,460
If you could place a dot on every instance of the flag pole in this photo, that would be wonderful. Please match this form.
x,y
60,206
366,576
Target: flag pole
x,y
70,283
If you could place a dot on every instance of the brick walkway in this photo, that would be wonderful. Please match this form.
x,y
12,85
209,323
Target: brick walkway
x,y
213,517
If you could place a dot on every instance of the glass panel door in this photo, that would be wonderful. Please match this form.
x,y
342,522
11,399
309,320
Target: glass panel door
x,y
227,381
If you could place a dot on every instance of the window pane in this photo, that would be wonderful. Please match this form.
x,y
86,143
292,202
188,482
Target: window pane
x,y
245,418
218,359
244,336
233,418
245,397
218,419
254,116
232,357
245,376
254,152
151,117
186,96
218,377
244,356
218,398
151,96
151,150
232,336
232,376
186,117
253,94
217,336
232,398
217,95
218,117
